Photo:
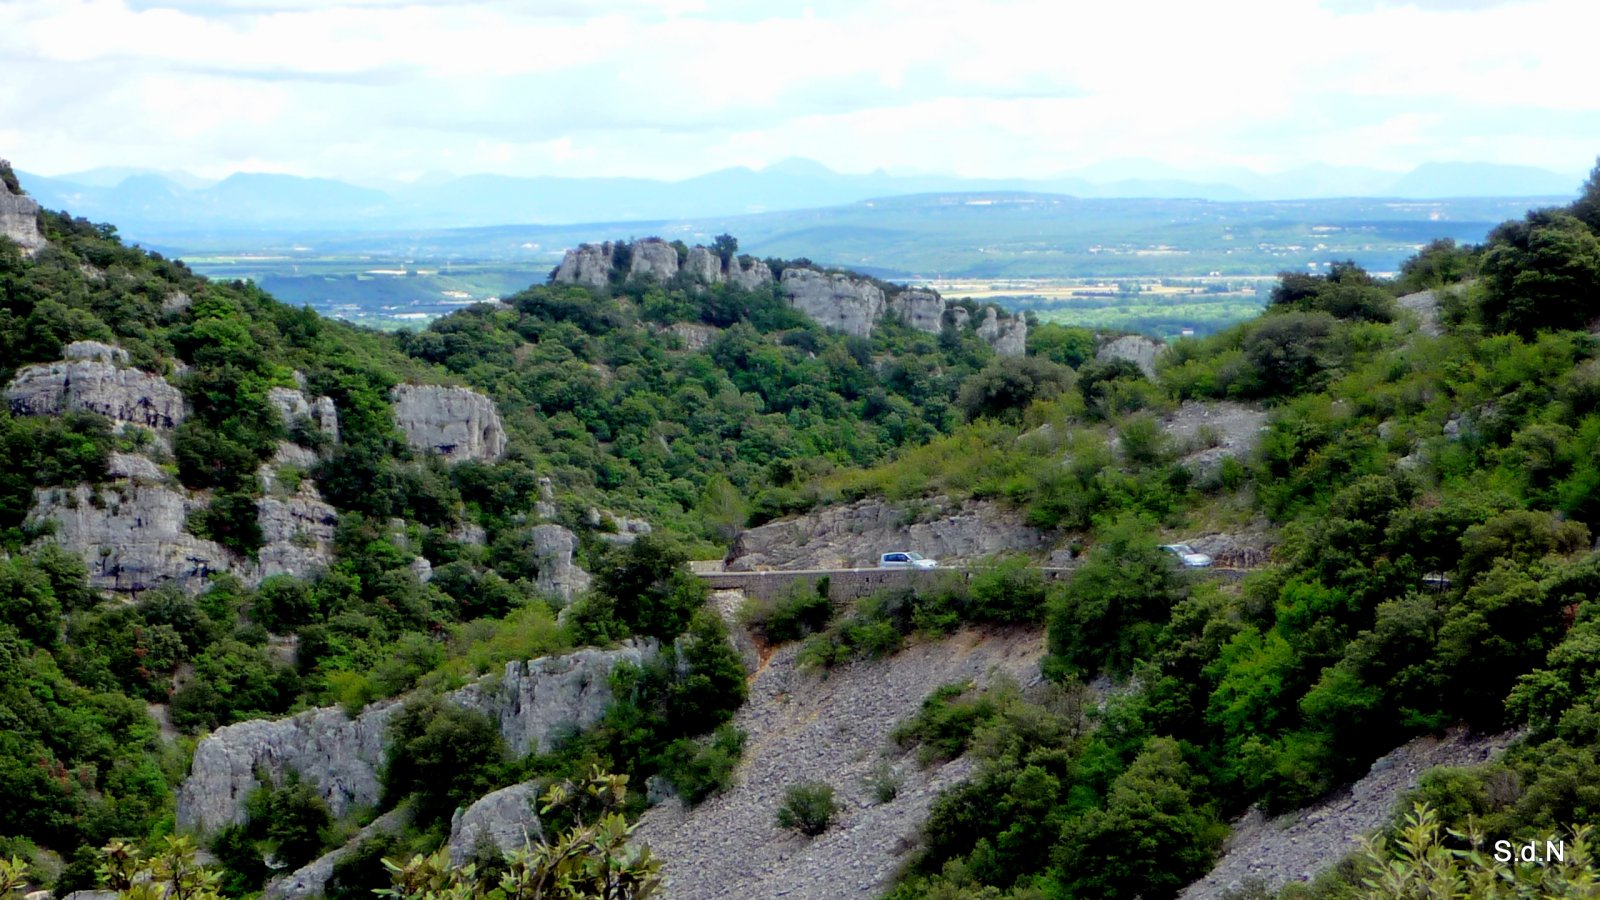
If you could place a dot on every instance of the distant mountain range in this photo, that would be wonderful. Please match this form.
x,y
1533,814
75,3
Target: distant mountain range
x,y
151,205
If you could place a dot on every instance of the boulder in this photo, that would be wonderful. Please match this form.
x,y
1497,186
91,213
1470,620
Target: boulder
x,y
535,702
19,217
95,381
835,301
131,535
1136,348
505,820
587,264
921,309
755,275
452,422
1008,337
704,265
552,547
655,258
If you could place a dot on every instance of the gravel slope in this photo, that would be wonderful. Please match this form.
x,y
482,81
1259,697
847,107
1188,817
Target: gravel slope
x,y
834,727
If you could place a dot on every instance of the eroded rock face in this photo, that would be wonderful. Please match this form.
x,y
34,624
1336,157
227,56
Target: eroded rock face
x,y
704,265
535,702
19,218
131,534
855,535
1008,337
755,275
452,422
292,407
339,756
835,301
298,531
505,820
552,547
655,258
92,379
1136,348
587,264
921,309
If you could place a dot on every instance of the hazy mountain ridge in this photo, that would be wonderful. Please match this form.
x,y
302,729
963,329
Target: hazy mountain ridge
x,y
143,199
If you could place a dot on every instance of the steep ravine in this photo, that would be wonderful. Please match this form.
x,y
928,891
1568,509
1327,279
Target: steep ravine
x,y
832,727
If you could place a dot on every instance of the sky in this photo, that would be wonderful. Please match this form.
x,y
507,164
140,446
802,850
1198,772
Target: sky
x,y
383,89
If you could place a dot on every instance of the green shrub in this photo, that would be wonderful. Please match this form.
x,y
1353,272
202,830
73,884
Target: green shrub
x,y
792,615
700,768
807,808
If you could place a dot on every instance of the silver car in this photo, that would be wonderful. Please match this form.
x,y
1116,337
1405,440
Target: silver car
x,y
1187,555
905,559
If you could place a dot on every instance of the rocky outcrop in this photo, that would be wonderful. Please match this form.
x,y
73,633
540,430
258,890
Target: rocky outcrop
x,y
93,378
653,258
750,277
134,467
293,407
705,266
19,217
311,879
131,535
552,547
587,264
835,728
505,820
1298,845
298,533
535,703
842,537
452,422
1203,434
1135,348
834,301
1425,306
694,335
921,309
1008,337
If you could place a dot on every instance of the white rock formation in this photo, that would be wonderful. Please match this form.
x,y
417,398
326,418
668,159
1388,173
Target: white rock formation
x,y
654,257
921,309
311,879
292,407
535,702
1008,337
452,422
587,264
704,265
92,379
1136,348
552,547
130,535
298,533
757,274
19,218
505,820
835,301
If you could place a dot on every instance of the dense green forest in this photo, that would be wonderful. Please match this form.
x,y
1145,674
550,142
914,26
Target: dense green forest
x,y
1436,497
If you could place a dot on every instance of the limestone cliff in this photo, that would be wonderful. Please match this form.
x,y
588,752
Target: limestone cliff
x,y
19,217
505,820
131,535
706,266
93,378
552,547
534,701
587,264
452,422
293,407
654,258
921,309
755,275
835,300
1008,337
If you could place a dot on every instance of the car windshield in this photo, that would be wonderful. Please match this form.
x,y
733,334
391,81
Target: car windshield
x,y
913,556
1181,548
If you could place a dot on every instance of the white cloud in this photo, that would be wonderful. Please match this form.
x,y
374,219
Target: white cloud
x,y
675,87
